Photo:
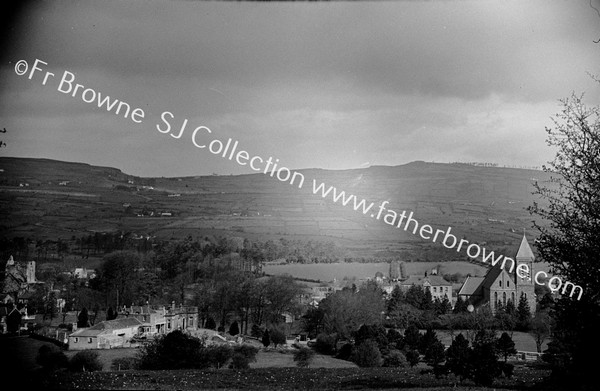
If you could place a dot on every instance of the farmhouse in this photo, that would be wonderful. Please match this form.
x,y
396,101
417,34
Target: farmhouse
x,y
105,335
498,287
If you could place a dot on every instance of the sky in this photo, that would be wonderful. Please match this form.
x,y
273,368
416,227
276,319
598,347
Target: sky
x,y
337,85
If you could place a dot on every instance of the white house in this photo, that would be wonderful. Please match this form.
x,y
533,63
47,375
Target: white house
x,y
105,335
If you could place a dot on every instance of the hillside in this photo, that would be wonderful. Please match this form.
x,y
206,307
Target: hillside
x,y
47,199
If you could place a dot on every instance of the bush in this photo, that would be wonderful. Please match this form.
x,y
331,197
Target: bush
x,y
247,351
413,357
234,329
277,337
239,361
303,357
345,352
124,364
325,343
508,369
256,331
395,359
50,358
367,355
210,324
85,361
217,355
175,350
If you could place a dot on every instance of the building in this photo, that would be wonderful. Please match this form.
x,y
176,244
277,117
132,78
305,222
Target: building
x,y
105,335
162,320
436,285
499,286
19,278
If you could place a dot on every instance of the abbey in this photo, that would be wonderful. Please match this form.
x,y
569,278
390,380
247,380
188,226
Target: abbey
x,y
500,286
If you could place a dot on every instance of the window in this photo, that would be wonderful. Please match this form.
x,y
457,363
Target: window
x,y
504,298
507,284
76,339
495,297
90,340
435,289
513,297
500,283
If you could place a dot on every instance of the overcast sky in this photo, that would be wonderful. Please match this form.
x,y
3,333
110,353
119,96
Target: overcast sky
x,y
330,85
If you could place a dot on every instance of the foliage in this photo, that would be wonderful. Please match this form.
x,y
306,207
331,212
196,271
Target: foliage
x,y
395,358
540,328
375,333
277,337
85,361
312,321
326,343
266,339
175,350
243,355
303,357
506,346
346,310
256,331
234,329
345,352
124,364
413,357
484,358
217,355
458,357
434,355
50,358
412,338
367,354
83,318
523,313
210,324
571,242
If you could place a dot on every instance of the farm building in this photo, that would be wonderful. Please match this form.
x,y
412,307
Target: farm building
x,y
105,335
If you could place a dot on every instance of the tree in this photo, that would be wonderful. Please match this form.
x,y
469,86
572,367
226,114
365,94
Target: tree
x,y
83,318
506,346
434,355
312,321
412,338
277,337
484,360
50,358
571,242
266,339
460,306
458,358
175,350
85,361
413,357
367,355
111,314
303,357
210,324
375,333
234,329
396,298
540,328
427,340
523,313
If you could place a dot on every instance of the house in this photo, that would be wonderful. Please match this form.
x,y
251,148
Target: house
x,y
83,273
436,285
162,320
501,285
105,335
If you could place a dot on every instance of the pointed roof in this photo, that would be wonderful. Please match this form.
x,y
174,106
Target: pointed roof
x,y
525,250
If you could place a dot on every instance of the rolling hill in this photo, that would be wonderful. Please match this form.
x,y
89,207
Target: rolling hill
x,y
48,199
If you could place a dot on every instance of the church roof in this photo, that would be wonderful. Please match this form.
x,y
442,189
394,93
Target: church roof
x,y
525,250
470,286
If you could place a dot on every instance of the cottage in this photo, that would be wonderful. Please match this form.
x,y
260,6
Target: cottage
x,y
105,335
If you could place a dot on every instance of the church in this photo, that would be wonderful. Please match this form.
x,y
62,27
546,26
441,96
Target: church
x,y
500,285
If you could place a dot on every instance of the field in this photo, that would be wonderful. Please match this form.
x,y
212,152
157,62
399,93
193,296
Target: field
x,y
45,199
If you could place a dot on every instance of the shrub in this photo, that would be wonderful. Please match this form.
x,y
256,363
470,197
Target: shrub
x,y
508,369
239,361
247,351
50,358
234,329
210,324
256,331
413,357
367,354
217,355
124,364
266,339
325,343
395,359
85,361
277,337
345,352
175,350
303,357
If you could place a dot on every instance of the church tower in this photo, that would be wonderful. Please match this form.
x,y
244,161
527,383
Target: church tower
x,y
525,285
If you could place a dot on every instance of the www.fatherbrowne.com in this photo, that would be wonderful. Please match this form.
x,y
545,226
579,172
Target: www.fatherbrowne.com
x,y
446,238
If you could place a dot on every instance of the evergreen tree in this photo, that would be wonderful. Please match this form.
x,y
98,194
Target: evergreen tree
x,y
396,298
210,324
412,338
434,355
523,313
484,360
413,357
458,358
427,341
510,308
234,329
111,314
83,318
460,306
506,346
266,339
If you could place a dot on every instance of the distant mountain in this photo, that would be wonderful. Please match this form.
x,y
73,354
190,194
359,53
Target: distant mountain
x,y
49,199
